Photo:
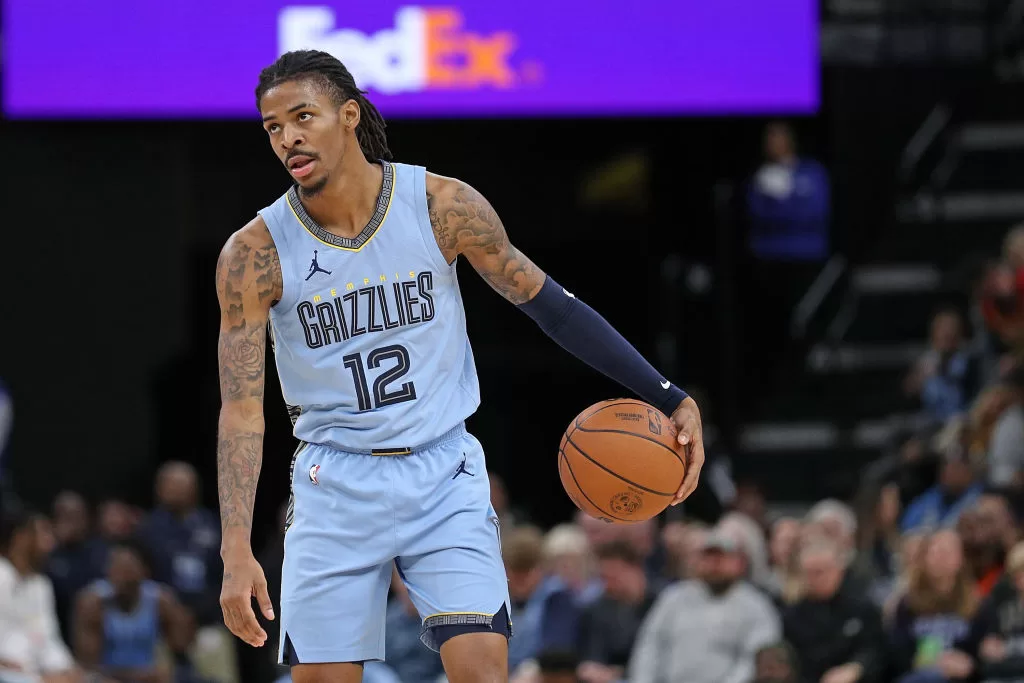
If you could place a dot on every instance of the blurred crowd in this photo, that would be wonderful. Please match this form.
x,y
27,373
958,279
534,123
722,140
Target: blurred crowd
x,y
918,579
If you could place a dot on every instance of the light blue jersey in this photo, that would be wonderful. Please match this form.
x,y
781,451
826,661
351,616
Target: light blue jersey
x,y
370,339
130,639
370,333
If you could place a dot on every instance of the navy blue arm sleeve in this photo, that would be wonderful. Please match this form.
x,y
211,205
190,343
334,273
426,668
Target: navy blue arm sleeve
x,y
581,331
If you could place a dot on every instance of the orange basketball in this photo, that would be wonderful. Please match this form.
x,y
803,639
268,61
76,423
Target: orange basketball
x,y
619,461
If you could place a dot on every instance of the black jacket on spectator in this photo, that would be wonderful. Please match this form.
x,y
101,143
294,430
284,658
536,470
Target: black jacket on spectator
x,y
1000,615
827,634
912,636
608,628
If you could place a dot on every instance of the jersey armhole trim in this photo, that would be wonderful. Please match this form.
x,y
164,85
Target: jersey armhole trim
x,y
288,297
423,218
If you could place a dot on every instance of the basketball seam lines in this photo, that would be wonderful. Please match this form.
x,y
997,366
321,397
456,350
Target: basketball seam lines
x,y
579,488
614,474
639,436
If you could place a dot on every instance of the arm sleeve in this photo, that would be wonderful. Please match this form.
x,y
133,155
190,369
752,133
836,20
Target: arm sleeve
x,y
581,331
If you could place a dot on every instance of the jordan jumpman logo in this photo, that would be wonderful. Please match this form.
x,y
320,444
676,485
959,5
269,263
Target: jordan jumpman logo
x,y
462,469
315,268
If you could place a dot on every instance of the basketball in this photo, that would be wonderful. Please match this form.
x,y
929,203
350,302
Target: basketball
x,y
620,461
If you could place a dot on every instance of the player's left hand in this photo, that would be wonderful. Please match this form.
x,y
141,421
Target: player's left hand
x,y
691,436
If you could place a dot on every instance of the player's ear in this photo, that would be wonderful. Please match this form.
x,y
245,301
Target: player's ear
x,y
350,114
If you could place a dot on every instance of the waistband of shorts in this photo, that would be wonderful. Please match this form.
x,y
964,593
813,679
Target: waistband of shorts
x,y
452,434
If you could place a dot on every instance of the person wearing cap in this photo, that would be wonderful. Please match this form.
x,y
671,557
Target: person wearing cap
x,y
708,629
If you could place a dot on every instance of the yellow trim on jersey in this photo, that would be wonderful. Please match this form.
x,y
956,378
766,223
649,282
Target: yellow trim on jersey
x,y
394,183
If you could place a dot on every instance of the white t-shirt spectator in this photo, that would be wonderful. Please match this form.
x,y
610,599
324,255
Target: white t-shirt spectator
x,y
694,636
29,633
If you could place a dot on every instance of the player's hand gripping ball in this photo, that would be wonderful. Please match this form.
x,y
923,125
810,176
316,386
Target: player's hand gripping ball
x,y
625,461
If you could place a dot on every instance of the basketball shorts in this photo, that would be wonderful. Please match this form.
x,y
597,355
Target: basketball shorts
x,y
353,516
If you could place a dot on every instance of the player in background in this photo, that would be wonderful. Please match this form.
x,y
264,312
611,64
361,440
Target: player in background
x,y
354,268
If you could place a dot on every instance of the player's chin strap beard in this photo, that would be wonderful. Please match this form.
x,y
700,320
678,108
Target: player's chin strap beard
x,y
313,190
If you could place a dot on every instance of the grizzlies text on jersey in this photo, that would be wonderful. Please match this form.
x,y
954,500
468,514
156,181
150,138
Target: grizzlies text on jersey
x,y
370,333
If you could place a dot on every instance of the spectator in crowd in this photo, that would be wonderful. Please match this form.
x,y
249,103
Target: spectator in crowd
x,y
788,202
837,522
1006,450
997,634
995,512
546,614
121,621
706,630
910,557
608,628
78,560
558,666
957,490
597,531
782,549
750,501
836,630
684,544
1002,304
569,559
988,407
878,538
988,532
946,377
116,521
749,537
932,622
31,649
776,663
184,540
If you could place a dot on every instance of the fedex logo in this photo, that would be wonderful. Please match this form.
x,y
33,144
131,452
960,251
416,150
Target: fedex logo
x,y
426,49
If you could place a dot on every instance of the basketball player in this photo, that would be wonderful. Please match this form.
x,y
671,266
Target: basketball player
x,y
354,267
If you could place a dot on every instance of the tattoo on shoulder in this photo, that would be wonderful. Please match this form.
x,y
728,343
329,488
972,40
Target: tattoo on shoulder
x,y
464,222
241,268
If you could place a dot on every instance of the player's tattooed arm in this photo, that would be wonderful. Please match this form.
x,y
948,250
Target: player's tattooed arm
x,y
248,284
465,223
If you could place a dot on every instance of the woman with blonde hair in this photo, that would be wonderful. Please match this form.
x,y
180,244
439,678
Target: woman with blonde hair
x,y
933,619
569,559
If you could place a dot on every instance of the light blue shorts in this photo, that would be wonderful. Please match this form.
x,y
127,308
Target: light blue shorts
x,y
353,516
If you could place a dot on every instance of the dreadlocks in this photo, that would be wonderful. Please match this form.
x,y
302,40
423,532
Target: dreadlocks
x,y
336,81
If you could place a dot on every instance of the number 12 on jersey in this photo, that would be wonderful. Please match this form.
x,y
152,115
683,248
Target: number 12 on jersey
x,y
382,396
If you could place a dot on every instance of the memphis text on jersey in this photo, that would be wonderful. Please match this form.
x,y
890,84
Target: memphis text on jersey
x,y
377,305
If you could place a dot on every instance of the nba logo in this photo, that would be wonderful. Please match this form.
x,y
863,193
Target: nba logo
x,y
312,474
